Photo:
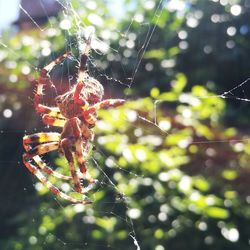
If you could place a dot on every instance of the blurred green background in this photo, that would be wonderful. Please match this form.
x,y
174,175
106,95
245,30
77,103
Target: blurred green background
x,y
173,162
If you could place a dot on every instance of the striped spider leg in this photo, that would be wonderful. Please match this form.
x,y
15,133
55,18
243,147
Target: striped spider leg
x,y
48,142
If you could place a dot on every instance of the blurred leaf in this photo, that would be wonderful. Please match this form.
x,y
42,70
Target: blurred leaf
x,y
229,174
157,54
106,223
180,83
217,212
201,184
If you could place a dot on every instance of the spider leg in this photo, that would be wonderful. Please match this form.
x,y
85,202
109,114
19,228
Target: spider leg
x,y
90,118
82,73
34,170
42,80
79,86
39,138
83,167
33,153
53,120
43,148
108,103
28,140
73,135
89,115
42,165
66,144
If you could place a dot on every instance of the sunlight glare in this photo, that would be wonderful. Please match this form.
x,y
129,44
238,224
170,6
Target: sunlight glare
x,y
236,10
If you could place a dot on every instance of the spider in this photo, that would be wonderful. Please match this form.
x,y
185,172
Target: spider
x,y
75,113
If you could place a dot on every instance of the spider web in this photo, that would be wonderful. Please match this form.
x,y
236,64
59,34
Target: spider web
x,y
81,31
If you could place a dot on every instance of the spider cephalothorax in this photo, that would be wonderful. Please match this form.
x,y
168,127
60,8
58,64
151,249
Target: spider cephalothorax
x,y
75,113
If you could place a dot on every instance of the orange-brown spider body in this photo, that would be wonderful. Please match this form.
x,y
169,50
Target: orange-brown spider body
x,y
75,113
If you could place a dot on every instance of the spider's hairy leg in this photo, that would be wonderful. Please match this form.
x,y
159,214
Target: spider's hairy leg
x,y
46,169
39,138
77,98
74,134
43,148
41,108
55,112
58,60
82,72
83,167
44,79
108,103
53,121
90,118
34,170
29,140
33,152
66,145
